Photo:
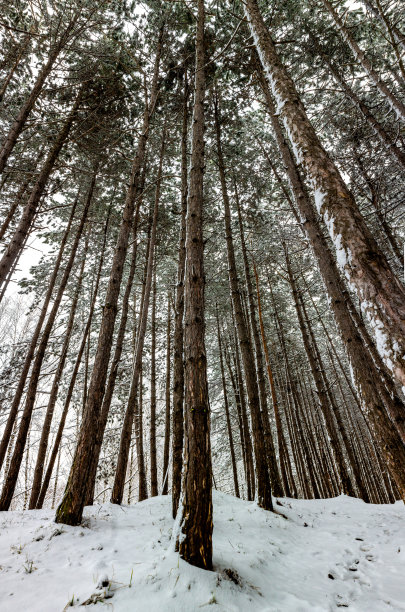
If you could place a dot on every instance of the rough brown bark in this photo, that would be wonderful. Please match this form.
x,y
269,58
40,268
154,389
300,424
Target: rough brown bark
x,y
178,365
152,430
195,545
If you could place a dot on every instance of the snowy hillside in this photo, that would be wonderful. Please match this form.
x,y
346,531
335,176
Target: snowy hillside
x,y
325,555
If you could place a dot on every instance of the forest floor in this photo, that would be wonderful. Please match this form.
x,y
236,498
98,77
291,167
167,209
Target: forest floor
x,y
322,555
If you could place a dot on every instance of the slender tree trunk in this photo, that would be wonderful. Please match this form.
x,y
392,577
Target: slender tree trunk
x,y
166,444
121,469
262,472
152,432
236,395
71,508
178,364
112,377
245,420
195,545
273,468
282,450
366,267
226,406
138,425
46,427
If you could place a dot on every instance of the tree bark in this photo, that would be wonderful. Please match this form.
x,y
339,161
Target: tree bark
x,y
152,431
195,545
178,340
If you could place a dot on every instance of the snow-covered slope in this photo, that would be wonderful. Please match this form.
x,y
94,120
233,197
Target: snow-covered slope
x,y
325,555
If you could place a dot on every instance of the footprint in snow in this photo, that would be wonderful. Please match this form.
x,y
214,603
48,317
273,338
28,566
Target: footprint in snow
x,y
342,601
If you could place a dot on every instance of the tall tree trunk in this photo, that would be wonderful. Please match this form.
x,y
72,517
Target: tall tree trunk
x,y
152,431
262,471
58,438
246,465
166,444
71,508
46,427
112,377
366,267
245,420
226,406
273,468
282,448
178,345
138,426
195,545
123,453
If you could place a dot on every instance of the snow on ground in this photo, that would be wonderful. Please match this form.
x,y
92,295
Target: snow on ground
x,y
326,555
